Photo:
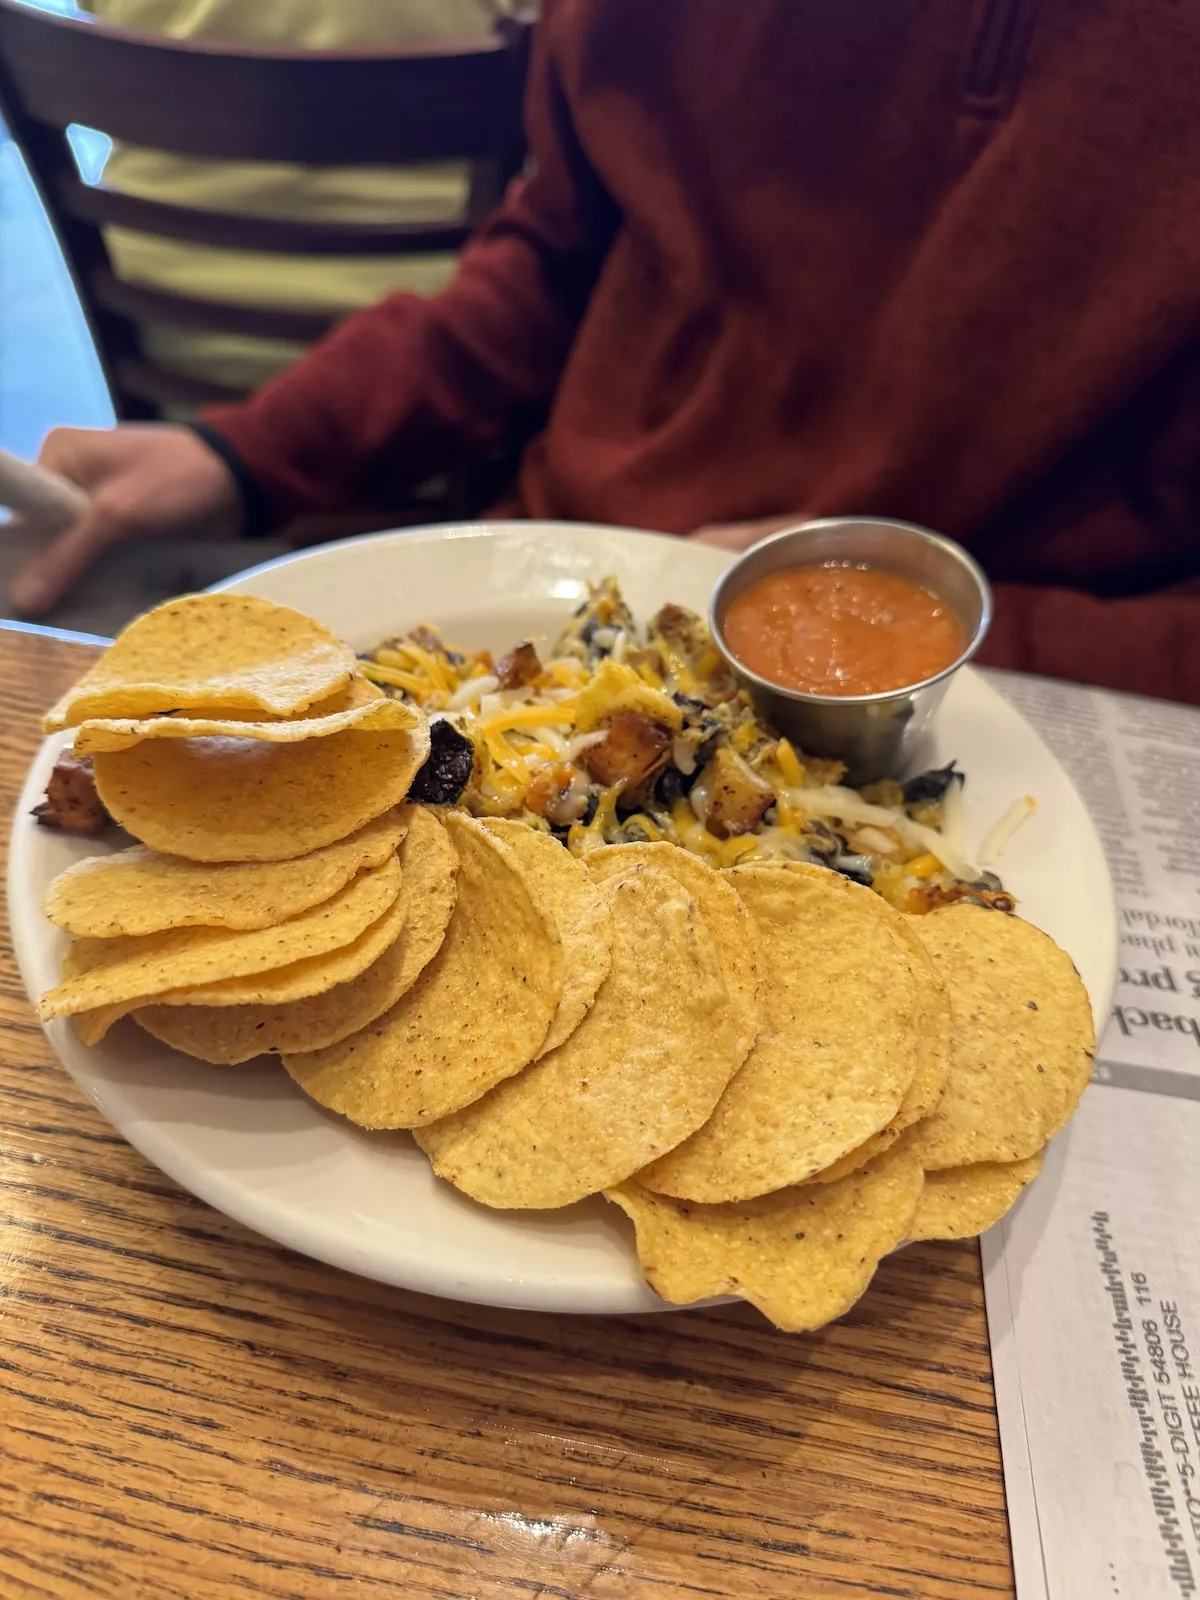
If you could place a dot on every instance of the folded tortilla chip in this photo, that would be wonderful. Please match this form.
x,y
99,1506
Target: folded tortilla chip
x,y
355,707
230,1034
924,1093
230,652
107,972
584,924
245,799
139,891
724,915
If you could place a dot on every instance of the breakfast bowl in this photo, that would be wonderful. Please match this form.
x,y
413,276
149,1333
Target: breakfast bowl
x,y
876,733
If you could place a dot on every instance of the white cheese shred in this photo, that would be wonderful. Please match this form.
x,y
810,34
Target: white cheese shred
x,y
997,838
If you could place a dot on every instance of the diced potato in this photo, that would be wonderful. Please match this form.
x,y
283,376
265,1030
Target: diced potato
x,y
633,747
735,796
71,802
519,667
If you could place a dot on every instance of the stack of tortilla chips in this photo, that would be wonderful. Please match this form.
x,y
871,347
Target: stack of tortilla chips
x,y
778,1077
266,780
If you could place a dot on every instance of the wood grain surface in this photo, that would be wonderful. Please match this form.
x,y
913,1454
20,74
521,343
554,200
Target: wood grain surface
x,y
189,1412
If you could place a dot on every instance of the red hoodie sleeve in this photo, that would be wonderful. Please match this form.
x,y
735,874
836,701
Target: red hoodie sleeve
x,y
405,388
1149,645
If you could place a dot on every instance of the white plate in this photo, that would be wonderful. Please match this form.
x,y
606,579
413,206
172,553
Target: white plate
x,y
248,1141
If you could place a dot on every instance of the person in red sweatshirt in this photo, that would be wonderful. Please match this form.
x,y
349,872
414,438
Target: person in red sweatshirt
x,y
918,258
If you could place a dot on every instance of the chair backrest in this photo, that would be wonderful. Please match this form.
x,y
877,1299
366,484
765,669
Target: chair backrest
x,y
243,102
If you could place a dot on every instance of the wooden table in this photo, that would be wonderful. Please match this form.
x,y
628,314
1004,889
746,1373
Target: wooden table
x,y
189,1412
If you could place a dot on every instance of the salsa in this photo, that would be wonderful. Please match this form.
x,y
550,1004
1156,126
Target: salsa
x,y
842,630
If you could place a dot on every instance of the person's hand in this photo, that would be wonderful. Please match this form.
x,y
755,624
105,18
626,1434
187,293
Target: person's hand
x,y
144,481
741,535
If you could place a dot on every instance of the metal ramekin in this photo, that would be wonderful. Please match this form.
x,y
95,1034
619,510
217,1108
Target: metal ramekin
x,y
876,735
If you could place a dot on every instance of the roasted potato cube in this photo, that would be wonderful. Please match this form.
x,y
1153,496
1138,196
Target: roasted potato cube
x,y
71,802
736,796
632,749
519,667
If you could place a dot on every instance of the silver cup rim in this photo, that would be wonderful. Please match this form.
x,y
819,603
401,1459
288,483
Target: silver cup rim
x,y
948,547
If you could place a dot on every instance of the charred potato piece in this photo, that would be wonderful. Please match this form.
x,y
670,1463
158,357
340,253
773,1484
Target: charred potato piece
x,y
633,748
72,804
735,796
519,667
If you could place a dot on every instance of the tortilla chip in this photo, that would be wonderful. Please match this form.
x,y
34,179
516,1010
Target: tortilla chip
x,y
614,687
582,917
803,1256
246,800
643,1069
355,707
477,1014
231,1034
280,986
723,914
358,692
1021,1038
838,1048
106,972
216,651
138,891
964,1201
924,1094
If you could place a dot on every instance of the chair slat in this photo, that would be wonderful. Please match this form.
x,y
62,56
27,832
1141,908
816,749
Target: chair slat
x,y
144,304
275,235
161,387
244,102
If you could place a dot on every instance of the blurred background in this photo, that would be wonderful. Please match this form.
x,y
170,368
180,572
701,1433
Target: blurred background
x,y
49,374
312,186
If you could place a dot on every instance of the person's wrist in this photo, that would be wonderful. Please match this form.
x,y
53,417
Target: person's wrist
x,y
256,515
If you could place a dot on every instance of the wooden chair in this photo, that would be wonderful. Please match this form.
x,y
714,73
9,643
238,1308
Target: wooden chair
x,y
221,101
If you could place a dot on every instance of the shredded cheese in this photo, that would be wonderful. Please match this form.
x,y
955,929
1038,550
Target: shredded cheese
x,y
997,838
953,825
681,675
586,836
508,718
395,678
843,805
735,850
473,689
503,754
789,764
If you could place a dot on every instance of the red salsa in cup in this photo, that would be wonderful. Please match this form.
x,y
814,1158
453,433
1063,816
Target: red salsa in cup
x,y
843,630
